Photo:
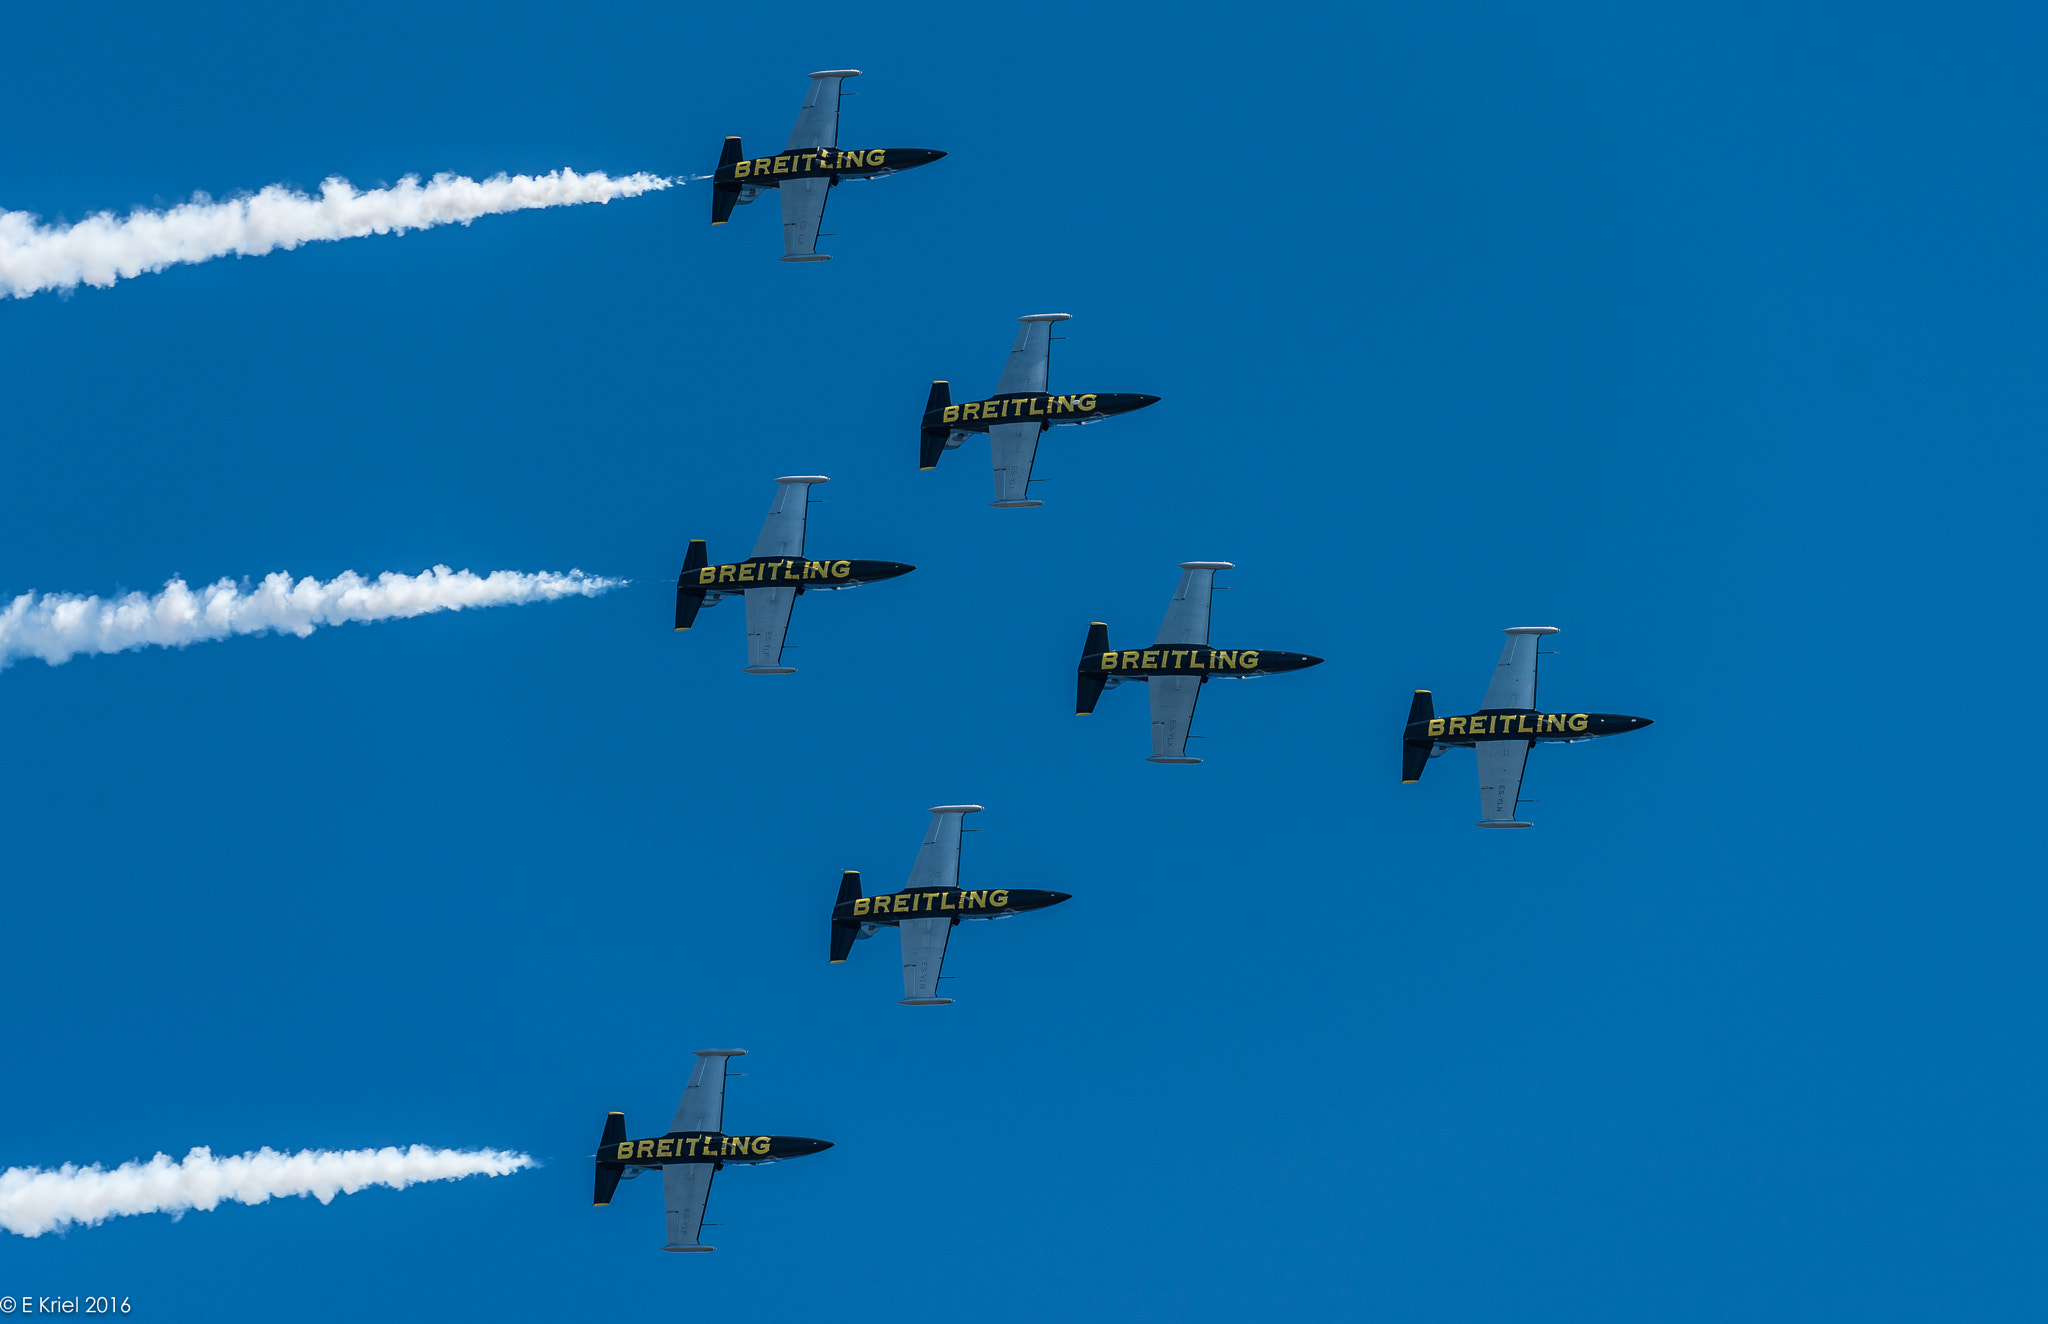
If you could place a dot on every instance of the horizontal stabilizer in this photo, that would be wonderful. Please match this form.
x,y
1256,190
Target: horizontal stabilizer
x,y
690,598
1091,682
1415,753
725,194
608,1174
844,935
931,442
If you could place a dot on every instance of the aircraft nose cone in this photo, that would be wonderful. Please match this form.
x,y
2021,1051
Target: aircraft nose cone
x,y
818,1145
1144,400
1311,660
1636,723
1058,897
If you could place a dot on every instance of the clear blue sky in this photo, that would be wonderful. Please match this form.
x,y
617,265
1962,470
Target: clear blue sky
x,y
1713,337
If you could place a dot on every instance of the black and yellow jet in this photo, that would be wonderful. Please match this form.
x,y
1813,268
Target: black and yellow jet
x,y
803,173
1176,666
928,908
1503,729
1018,414
771,579
691,1153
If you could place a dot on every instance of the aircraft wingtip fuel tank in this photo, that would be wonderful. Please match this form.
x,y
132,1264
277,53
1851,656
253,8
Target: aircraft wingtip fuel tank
x,y
1177,664
773,577
805,172
1504,729
692,1151
928,908
1017,415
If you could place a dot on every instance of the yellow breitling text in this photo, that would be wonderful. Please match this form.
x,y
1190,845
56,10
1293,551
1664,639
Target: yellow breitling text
x,y
1509,724
910,903
1043,406
1198,659
804,163
772,572
675,1147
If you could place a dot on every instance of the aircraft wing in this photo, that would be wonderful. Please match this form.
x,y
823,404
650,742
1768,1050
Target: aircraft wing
x,y
1173,713
1514,676
768,625
686,1189
817,124
1500,780
924,952
938,859
703,1105
782,533
803,214
1031,356
1187,616
1013,447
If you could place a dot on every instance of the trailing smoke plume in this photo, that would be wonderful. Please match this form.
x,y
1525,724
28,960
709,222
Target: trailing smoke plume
x,y
38,1200
104,248
57,626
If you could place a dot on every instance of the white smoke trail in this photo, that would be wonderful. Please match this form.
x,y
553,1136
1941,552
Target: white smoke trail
x,y
57,626
104,248
38,1200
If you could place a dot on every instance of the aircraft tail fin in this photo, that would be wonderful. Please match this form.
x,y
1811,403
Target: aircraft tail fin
x,y
724,195
931,442
608,1173
690,598
1415,753
843,933
1091,681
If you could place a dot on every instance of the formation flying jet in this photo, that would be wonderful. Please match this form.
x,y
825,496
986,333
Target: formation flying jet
x,y
1017,413
772,577
928,907
1178,664
1506,724
692,1151
806,170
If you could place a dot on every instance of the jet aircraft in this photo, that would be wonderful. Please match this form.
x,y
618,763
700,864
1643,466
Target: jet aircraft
x,y
804,172
1178,664
772,577
1501,732
928,907
692,1151
1017,413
